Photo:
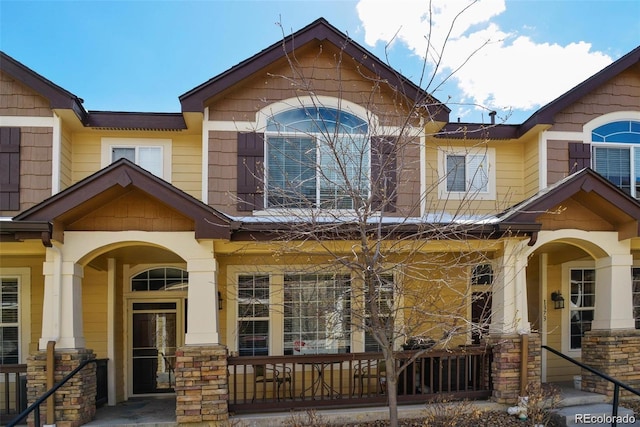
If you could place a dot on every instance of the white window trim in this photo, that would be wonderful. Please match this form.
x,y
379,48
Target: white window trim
x,y
23,274
108,143
276,314
566,311
487,289
490,194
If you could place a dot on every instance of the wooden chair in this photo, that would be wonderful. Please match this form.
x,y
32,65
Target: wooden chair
x,y
264,375
368,370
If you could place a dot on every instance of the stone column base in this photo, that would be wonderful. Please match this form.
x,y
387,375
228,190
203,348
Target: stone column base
x,y
615,353
202,390
505,369
76,400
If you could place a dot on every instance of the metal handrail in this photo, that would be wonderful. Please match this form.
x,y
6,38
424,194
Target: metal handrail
x,y
616,384
35,406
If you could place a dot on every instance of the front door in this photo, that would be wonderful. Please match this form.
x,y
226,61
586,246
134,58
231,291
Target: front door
x,y
156,331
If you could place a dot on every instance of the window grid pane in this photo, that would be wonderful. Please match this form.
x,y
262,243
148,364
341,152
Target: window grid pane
x,y
456,173
9,316
253,314
635,283
582,300
317,313
615,165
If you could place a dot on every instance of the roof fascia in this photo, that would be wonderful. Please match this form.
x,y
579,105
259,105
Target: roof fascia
x,y
57,96
209,223
586,180
195,99
546,114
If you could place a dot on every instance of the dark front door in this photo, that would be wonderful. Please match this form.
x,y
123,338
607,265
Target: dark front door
x,y
154,345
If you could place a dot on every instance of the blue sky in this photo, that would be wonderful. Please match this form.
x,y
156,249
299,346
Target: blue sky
x,y
141,55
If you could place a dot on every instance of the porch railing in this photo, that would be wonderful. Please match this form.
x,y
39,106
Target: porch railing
x,y
13,391
101,391
617,385
262,383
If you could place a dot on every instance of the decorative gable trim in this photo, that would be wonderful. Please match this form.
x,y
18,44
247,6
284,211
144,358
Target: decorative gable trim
x,y
118,178
621,206
195,99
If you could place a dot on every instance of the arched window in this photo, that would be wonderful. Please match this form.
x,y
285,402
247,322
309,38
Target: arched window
x,y
316,157
616,154
161,279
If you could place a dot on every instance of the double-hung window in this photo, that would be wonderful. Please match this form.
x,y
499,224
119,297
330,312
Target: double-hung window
x,y
149,158
317,313
582,304
616,154
9,325
316,157
468,173
151,154
253,315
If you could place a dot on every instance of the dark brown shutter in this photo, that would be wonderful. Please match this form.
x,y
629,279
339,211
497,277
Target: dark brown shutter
x,y
9,169
579,156
383,173
250,171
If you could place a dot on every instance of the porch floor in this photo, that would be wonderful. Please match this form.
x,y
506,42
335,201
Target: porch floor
x,y
161,411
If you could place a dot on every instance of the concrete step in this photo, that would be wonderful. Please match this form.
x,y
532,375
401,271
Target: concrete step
x,y
596,415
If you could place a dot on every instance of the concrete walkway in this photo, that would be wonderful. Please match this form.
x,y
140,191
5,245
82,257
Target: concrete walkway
x,y
160,412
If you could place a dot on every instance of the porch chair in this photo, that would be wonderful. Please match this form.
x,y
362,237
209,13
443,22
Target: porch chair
x,y
368,370
264,375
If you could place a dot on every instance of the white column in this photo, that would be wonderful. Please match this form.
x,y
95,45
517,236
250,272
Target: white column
x,y
202,298
51,268
509,311
62,306
614,297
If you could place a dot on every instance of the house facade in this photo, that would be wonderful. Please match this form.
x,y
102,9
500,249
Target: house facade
x,y
154,240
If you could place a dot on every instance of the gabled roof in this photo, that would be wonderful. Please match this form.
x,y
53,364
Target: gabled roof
x,y
195,99
545,115
113,182
57,96
590,189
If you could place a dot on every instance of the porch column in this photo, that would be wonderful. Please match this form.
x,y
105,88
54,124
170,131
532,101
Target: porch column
x,y
62,306
509,311
202,297
614,296
509,323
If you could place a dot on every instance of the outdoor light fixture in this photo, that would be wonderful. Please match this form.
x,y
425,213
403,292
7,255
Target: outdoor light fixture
x,y
558,300
219,300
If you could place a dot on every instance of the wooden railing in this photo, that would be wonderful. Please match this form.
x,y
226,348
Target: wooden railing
x,y
262,383
13,391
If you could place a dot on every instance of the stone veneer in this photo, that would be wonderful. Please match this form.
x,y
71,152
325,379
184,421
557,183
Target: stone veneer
x,y
505,369
615,353
76,400
201,388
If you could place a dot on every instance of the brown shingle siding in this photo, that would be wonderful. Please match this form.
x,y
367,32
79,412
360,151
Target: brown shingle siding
x,y
619,94
17,99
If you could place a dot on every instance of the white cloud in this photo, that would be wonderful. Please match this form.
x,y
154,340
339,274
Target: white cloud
x,y
508,71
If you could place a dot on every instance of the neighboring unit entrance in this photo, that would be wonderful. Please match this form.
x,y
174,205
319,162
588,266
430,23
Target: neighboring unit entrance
x,y
157,324
154,330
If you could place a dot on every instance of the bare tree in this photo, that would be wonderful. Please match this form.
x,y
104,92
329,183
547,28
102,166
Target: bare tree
x,y
351,205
